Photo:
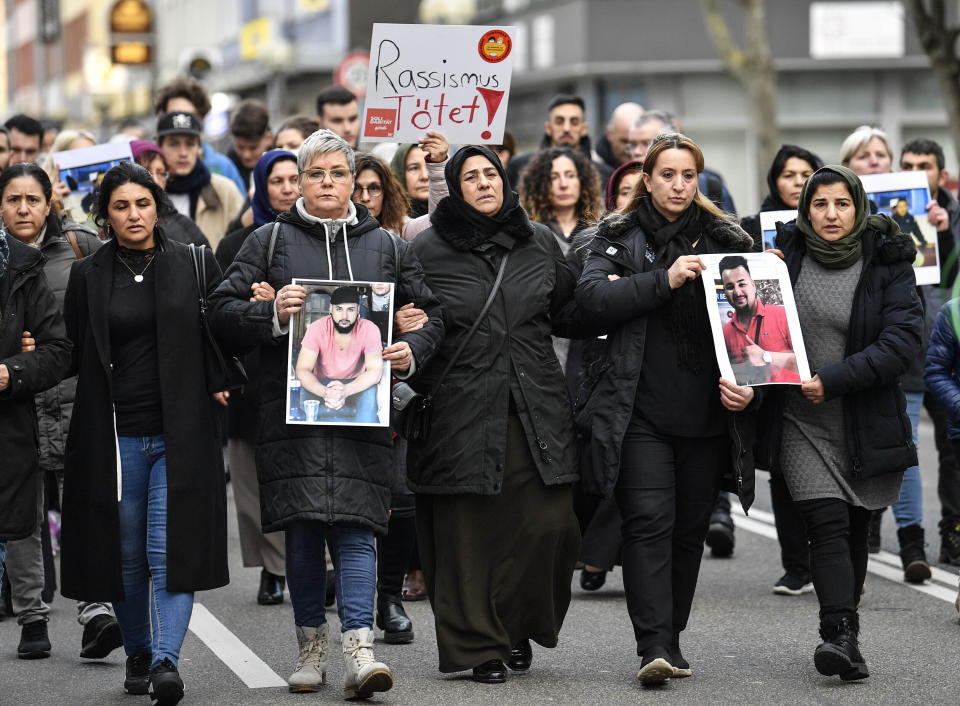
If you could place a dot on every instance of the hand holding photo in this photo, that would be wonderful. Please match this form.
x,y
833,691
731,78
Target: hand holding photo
x,y
337,372
753,318
768,224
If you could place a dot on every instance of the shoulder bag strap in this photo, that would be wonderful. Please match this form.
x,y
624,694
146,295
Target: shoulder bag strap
x,y
476,324
272,246
72,239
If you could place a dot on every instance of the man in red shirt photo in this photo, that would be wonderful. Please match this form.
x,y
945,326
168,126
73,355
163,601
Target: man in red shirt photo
x,y
340,363
757,336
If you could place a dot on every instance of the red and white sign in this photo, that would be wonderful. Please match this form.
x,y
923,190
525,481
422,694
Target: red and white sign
x,y
352,72
452,79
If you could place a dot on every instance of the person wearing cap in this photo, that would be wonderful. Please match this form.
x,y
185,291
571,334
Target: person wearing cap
x,y
176,225
209,200
341,361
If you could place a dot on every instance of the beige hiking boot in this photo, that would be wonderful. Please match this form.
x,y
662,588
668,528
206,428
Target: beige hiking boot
x,y
311,669
364,674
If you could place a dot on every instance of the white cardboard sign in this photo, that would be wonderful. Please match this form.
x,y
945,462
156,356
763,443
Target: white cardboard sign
x,y
452,79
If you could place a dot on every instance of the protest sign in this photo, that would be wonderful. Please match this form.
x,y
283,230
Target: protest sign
x,y
768,224
336,374
753,319
904,197
452,79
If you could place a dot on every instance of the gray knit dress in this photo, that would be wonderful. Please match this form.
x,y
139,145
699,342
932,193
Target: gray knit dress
x,y
813,450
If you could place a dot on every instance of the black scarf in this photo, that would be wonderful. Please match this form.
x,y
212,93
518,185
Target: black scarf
x,y
191,184
483,225
685,315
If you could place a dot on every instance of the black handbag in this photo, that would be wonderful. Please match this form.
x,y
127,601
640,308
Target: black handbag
x,y
222,372
412,410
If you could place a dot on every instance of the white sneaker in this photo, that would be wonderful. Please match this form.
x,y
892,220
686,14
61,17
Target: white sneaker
x,y
364,674
311,671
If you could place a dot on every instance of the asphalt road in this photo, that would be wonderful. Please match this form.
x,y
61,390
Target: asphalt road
x,y
745,645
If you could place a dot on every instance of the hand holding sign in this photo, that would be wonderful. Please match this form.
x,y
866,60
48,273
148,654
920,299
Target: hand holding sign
x,y
452,78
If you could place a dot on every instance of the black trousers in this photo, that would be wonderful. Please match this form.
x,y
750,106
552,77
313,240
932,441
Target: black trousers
x,y
794,547
948,477
838,554
666,491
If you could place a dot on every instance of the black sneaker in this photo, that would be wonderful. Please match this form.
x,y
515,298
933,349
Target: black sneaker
x,y
166,684
101,636
791,584
34,641
950,546
137,679
655,667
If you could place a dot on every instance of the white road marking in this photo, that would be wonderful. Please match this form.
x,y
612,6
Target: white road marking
x,y
885,564
252,670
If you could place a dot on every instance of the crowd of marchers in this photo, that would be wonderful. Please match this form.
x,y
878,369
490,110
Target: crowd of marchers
x,y
549,306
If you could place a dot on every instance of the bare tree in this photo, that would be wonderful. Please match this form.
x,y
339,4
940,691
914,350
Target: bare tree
x,y
940,44
753,69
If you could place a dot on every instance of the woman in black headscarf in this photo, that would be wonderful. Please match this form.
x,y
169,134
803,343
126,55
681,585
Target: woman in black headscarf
x,y
495,524
791,167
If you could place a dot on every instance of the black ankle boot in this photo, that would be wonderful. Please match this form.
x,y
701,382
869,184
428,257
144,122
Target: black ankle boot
x,y
839,653
271,588
392,619
912,554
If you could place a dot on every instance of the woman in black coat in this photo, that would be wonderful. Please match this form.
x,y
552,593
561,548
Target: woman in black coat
x,y
664,438
791,167
495,525
143,498
26,302
844,440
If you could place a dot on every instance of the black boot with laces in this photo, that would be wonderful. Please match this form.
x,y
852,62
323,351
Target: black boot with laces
x,y
839,653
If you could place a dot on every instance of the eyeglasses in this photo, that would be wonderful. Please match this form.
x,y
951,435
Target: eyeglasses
x,y
317,176
373,191
161,175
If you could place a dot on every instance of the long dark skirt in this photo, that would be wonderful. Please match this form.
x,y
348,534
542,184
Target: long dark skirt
x,y
498,567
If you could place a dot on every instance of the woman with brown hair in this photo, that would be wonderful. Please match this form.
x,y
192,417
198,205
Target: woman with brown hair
x,y
377,189
561,189
667,431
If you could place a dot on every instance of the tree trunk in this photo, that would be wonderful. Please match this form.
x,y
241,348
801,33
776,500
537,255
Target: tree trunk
x,y
940,44
754,70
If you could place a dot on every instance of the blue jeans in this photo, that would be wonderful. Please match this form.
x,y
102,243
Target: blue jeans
x,y
151,618
360,408
354,555
908,510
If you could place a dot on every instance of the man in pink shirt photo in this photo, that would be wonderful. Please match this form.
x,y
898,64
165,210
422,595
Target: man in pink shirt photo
x,y
757,336
340,363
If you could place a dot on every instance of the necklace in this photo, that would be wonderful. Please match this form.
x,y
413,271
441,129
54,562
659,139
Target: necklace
x,y
138,278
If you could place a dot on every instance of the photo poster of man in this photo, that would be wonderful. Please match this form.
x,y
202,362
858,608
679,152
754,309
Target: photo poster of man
x,y
336,373
768,224
83,169
753,319
904,197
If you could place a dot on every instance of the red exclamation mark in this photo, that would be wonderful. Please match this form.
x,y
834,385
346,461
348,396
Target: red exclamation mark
x,y
492,99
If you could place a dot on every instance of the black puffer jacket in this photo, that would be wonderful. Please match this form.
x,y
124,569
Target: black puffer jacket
x,y
26,303
329,473
619,248
510,355
55,406
884,335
